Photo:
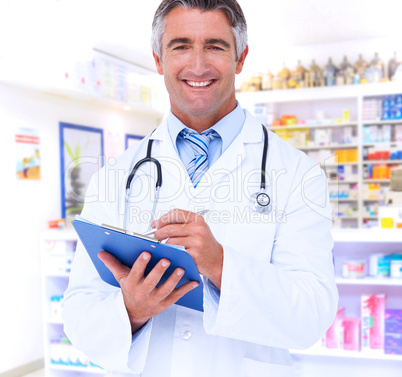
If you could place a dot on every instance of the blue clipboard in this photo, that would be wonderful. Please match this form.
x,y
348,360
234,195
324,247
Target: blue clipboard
x,y
127,247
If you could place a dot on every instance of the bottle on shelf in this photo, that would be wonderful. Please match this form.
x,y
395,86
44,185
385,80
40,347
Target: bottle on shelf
x,y
375,71
330,73
284,74
267,80
314,76
346,73
360,68
296,79
392,66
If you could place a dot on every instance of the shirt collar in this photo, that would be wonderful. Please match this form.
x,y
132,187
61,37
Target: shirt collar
x,y
227,128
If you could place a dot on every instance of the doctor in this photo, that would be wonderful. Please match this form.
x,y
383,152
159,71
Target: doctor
x,y
268,276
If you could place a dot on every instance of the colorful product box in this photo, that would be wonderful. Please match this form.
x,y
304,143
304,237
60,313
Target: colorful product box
x,y
351,333
332,337
393,332
372,321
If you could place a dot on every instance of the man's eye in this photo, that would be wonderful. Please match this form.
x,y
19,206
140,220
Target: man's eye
x,y
180,48
216,48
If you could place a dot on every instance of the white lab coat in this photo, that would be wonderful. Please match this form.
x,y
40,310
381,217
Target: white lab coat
x,y
278,290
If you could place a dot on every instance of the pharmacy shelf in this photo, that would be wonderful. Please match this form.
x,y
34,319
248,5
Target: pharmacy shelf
x,y
376,181
346,182
343,200
332,100
388,162
338,146
341,163
367,235
370,281
322,351
381,143
313,126
381,122
76,369
318,93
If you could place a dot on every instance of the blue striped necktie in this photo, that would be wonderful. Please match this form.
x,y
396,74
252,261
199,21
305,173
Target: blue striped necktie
x,y
200,144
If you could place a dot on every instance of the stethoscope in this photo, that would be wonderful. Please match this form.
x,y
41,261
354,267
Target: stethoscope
x,y
259,202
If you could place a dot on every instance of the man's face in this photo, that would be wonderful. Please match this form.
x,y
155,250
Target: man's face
x,y
199,64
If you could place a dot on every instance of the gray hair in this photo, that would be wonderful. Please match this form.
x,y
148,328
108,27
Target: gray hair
x,y
230,8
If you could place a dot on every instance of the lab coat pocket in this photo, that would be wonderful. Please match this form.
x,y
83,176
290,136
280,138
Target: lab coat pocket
x,y
252,239
253,368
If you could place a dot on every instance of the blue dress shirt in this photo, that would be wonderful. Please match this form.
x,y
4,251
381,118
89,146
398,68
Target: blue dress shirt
x,y
227,128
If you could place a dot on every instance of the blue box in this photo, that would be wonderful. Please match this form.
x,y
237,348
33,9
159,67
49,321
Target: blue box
x,y
393,332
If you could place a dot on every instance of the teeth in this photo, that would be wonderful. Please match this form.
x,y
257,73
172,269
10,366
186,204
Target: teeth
x,y
204,83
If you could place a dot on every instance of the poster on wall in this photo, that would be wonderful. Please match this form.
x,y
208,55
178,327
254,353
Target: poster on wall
x,y
81,155
28,154
132,139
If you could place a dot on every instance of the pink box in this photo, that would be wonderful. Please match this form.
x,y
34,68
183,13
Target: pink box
x,y
332,338
351,333
372,325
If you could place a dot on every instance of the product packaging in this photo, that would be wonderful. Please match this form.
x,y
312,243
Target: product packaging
x,y
351,333
332,337
396,266
393,332
380,265
353,269
372,325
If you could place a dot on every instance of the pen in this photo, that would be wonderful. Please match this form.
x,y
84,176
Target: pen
x,y
152,231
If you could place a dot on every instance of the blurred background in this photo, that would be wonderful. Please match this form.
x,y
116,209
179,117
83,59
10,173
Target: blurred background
x,y
78,82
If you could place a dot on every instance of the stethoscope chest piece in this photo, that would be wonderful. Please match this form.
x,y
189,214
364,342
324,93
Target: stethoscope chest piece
x,y
261,202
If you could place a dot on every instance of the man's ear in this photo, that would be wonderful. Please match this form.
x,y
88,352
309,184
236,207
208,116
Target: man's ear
x,y
240,63
158,63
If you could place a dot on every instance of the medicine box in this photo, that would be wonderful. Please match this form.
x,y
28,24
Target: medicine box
x,y
393,332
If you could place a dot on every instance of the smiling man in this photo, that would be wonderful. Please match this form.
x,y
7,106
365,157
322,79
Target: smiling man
x,y
266,285
199,61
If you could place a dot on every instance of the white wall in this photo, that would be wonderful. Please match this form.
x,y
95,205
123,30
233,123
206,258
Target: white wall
x,y
26,206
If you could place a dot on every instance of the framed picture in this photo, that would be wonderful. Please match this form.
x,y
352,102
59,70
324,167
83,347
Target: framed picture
x,y
81,155
131,140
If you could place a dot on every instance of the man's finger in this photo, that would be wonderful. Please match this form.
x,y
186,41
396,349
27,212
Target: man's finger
x,y
118,270
156,274
180,292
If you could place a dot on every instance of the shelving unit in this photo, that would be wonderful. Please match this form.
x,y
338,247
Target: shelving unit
x,y
357,244
61,359
305,103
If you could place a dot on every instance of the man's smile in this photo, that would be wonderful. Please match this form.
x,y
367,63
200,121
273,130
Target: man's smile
x,y
199,83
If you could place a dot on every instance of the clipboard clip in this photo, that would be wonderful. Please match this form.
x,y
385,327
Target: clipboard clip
x,y
124,231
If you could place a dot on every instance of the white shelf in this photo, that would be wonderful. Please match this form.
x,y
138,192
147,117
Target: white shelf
x,y
376,181
390,162
381,143
348,182
60,234
314,126
338,146
343,200
322,351
381,122
72,368
319,93
367,235
370,281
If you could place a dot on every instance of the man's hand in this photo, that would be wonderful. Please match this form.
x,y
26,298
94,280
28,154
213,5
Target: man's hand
x,y
142,298
189,229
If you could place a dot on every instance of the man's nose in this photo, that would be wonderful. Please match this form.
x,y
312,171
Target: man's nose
x,y
199,62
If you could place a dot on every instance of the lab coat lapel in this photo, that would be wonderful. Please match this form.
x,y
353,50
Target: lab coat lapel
x,y
234,156
173,170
